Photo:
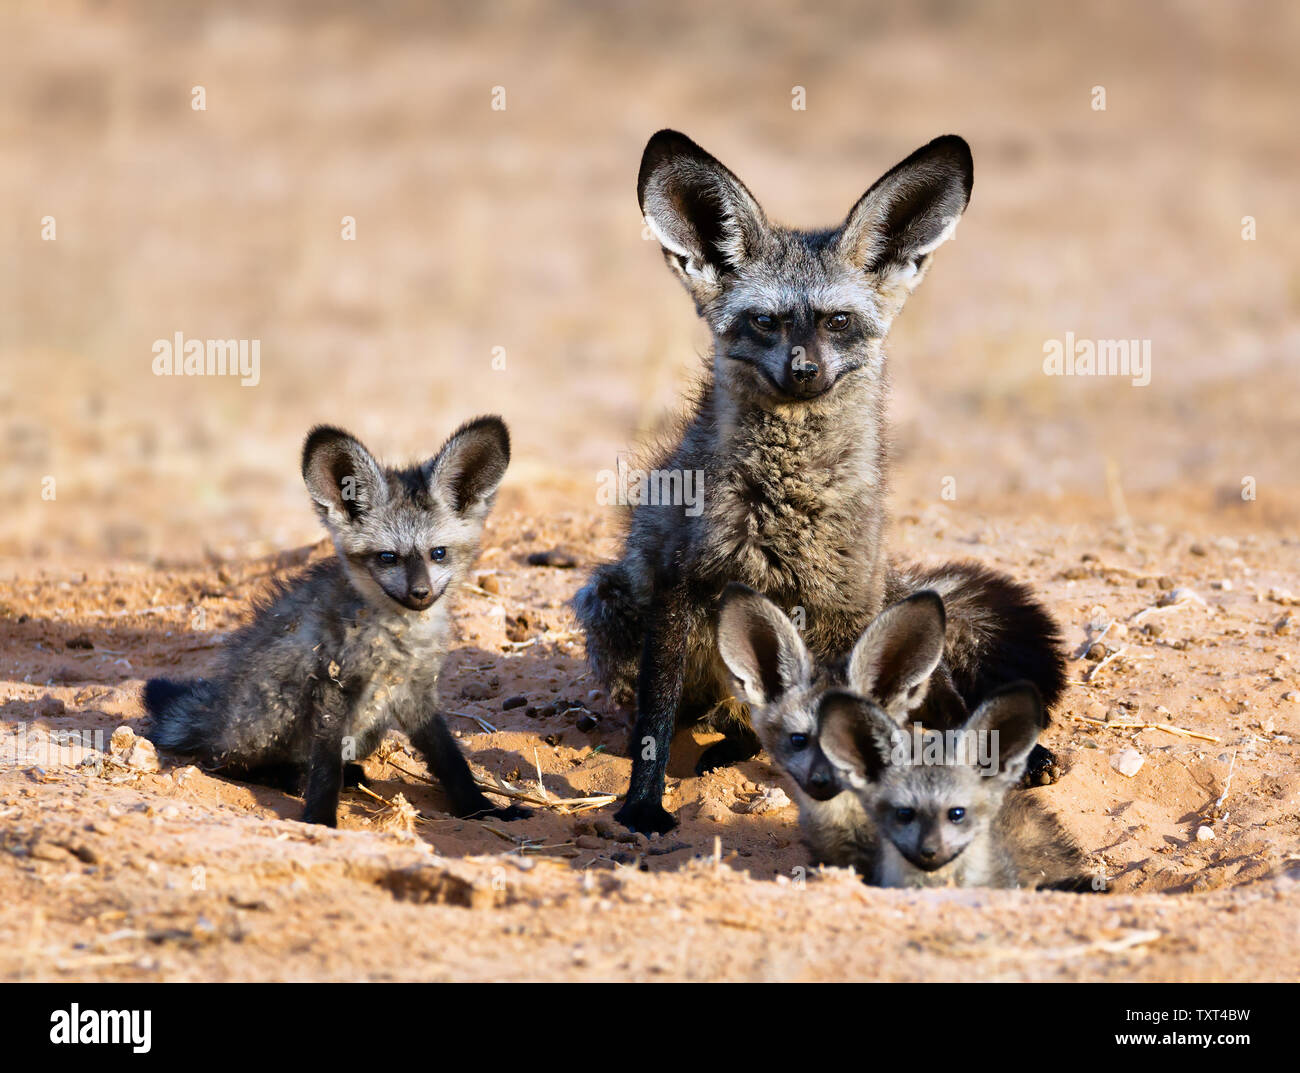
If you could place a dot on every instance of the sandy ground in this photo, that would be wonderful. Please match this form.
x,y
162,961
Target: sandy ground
x,y
120,873
175,500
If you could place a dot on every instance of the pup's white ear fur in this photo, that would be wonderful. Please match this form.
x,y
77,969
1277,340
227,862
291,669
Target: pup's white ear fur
x,y
760,646
895,656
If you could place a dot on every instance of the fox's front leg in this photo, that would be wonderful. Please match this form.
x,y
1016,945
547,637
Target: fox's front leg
x,y
330,718
659,693
448,765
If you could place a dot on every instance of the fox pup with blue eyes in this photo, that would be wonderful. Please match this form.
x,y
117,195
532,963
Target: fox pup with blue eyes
x,y
354,645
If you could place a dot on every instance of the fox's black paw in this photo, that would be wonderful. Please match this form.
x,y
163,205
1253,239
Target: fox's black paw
x,y
354,775
646,817
322,816
1043,768
724,753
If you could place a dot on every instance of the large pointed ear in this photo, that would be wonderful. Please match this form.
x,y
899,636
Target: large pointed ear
x,y
1015,714
893,660
702,215
760,646
856,735
342,477
910,212
467,471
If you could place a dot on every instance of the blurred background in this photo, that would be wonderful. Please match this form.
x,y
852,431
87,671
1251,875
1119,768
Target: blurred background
x,y
513,233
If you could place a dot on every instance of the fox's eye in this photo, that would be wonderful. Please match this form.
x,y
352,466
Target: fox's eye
x,y
837,322
388,557
904,815
798,741
956,815
438,554
764,321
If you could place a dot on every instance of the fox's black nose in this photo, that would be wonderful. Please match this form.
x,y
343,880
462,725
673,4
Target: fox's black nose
x,y
806,375
419,599
822,784
803,370
929,852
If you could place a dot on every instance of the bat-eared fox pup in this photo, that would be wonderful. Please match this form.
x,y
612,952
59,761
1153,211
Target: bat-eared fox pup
x,y
786,436
355,644
868,808
941,802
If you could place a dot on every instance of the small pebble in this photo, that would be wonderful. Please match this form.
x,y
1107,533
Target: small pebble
x,y
1128,762
121,741
144,756
608,829
517,701
1204,834
772,799
48,851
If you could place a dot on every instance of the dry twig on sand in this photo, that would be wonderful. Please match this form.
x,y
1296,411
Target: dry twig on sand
x,y
1168,728
1099,946
565,806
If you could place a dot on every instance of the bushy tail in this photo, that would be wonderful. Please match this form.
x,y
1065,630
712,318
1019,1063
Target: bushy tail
x,y
181,714
610,615
998,631
1046,856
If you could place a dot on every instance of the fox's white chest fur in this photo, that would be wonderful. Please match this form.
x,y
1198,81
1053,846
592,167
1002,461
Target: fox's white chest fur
x,y
399,656
793,512
838,831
